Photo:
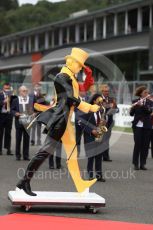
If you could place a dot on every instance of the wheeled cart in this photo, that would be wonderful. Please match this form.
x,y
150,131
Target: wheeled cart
x,y
91,201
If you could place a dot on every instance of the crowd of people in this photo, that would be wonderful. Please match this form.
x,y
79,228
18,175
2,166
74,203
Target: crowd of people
x,y
96,144
21,108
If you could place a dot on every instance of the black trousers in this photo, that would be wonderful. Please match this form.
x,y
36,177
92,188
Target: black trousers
x,y
141,145
21,133
54,135
5,130
48,148
151,141
94,154
98,166
57,157
38,133
106,139
78,135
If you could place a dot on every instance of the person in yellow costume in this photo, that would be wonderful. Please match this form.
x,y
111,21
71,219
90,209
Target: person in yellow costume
x,y
58,123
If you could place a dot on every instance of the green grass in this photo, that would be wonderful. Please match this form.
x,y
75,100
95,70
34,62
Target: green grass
x,y
122,129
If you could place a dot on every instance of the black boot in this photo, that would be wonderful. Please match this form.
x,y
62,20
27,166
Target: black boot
x,y
33,166
25,185
48,147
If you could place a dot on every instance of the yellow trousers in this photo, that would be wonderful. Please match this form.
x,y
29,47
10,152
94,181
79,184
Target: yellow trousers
x,y
68,140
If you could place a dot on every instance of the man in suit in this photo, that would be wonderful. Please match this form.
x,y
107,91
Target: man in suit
x,y
93,149
39,98
111,108
6,118
142,125
21,108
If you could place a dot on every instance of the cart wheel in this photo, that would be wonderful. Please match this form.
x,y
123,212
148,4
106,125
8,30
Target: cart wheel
x,y
27,208
87,207
94,210
22,207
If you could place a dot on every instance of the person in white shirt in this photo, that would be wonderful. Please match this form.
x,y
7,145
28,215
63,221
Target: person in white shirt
x,y
22,108
141,110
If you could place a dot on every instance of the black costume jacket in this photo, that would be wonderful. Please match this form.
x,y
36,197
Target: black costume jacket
x,y
56,118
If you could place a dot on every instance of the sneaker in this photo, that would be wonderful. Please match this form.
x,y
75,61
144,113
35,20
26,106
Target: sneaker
x,y
101,179
51,167
92,178
18,158
9,152
108,160
26,159
136,167
58,167
143,168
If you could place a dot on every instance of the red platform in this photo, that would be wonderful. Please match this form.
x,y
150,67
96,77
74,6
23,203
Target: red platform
x,y
38,222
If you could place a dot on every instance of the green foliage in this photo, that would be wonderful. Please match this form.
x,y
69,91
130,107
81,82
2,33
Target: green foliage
x,y
4,26
8,4
29,16
26,17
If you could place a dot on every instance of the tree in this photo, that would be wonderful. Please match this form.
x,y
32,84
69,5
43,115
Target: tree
x,y
4,26
29,16
8,4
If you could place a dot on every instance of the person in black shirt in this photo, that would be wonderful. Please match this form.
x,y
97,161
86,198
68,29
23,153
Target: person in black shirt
x,y
6,118
142,125
111,108
93,148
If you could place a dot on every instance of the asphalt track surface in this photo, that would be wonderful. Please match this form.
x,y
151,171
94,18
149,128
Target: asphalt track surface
x,y
128,193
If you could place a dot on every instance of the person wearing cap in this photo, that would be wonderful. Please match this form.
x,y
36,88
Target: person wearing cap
x,y
58,123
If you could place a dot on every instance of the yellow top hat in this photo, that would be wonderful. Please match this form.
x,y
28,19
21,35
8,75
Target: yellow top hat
x,y
79,55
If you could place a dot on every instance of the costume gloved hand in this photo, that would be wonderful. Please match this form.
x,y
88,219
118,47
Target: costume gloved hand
x,y
88,71
89,80
94,108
